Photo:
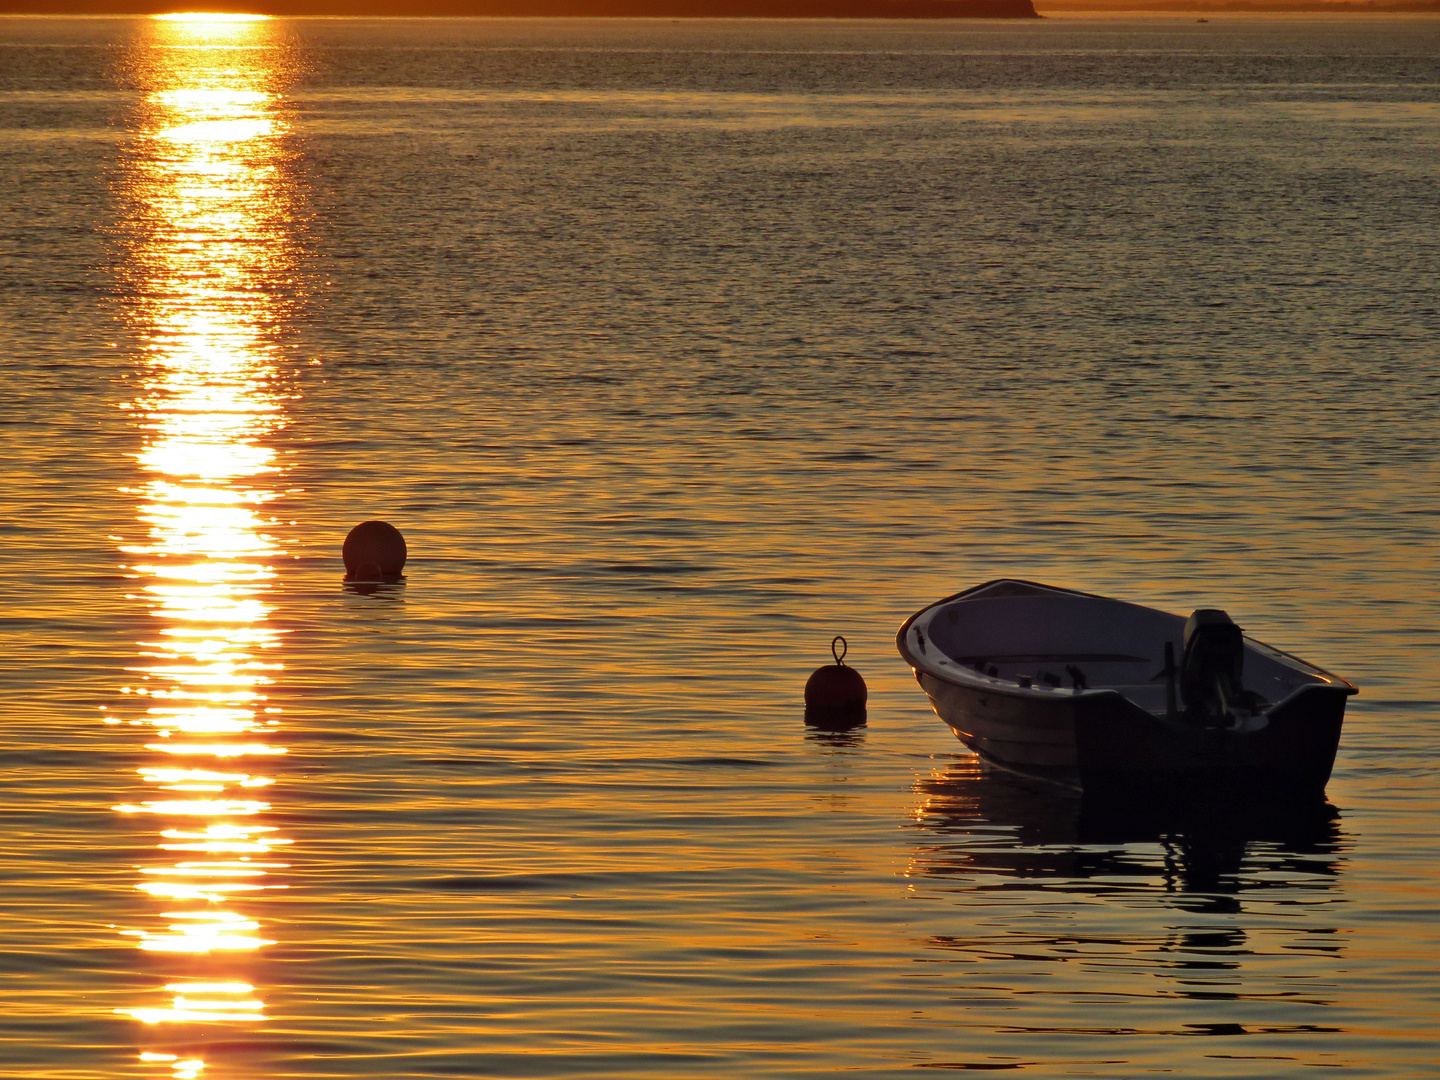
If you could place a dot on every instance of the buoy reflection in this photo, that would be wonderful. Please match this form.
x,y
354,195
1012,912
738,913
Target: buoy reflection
x,y
210,249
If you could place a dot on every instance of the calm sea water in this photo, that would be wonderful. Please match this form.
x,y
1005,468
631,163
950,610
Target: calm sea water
x,y
676,349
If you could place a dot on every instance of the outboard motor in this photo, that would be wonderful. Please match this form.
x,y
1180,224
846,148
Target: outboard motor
x,y
1211,667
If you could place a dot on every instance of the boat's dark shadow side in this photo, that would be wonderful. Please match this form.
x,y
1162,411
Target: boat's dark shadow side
x,y
986,820
1124,752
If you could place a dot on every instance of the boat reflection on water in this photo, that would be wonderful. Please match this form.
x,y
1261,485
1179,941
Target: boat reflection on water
x,y
1062,916
204,287
1206,854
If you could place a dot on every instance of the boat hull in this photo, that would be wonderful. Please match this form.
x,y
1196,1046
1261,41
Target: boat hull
x,y
1293,753
1096,742
1032,737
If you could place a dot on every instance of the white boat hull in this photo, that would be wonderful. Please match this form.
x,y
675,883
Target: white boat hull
x,y
1121,736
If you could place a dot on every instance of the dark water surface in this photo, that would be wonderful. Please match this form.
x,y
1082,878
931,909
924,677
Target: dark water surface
x,y
675,349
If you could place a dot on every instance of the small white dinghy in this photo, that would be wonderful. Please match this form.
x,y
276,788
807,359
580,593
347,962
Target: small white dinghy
x,y
1098,694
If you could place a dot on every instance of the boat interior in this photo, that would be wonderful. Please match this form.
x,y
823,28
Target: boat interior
x,y
1063,642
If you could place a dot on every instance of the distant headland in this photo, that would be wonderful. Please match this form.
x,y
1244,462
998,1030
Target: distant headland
x,y
634,9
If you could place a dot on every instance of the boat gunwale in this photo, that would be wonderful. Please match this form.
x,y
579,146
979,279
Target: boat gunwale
x,y
973,680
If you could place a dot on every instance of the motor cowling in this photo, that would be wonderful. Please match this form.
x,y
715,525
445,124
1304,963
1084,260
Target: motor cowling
x,y
1212,667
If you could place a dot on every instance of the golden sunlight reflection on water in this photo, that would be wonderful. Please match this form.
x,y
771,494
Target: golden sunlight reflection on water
x,y
662,404
209,234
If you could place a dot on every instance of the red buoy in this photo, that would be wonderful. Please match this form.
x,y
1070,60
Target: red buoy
x,y
835,694
374,551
